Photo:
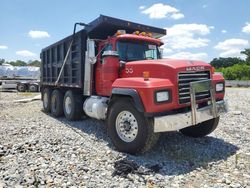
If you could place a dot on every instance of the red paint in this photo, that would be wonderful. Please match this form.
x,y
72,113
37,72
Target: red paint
x,y
147,89
106,74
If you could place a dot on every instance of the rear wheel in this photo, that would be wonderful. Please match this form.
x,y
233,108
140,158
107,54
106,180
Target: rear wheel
x,y
72,105
21,87
128,129
201,129
33,88
57,103
46,99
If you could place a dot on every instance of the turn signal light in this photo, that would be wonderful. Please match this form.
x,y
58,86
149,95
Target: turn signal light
x,y
143,33
146,75
136,33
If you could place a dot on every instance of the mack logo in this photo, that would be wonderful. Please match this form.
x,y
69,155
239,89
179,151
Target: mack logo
x,y
200,68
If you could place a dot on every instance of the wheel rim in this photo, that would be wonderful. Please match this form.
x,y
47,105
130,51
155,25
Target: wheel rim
x,y
68,105
21,88
126,126
32,88
45,100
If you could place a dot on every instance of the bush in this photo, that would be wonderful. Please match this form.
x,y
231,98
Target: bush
x,y
236,72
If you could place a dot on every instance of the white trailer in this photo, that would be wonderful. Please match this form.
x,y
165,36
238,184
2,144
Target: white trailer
x,y
20,84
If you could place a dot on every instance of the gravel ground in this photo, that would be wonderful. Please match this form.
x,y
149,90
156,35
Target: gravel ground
x,y
37,150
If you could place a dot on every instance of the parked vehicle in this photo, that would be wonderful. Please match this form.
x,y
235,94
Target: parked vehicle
x,y
113,70
20,84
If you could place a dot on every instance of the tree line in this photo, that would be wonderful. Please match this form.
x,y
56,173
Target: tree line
x,y
233,68
34,63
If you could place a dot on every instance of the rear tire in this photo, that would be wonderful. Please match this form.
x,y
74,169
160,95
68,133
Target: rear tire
x,y
21,87
33,88
46,99
56,103
201,129
72,105
129,130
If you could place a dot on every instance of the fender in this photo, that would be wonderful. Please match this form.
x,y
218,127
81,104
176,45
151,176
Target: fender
x,y
144,91
132,93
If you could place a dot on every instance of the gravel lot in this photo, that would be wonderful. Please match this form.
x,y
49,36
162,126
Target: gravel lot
x,y
37,150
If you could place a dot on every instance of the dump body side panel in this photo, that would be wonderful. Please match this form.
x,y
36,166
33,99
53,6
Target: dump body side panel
x,y
53,57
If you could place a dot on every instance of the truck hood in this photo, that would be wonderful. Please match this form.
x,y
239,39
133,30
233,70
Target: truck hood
x,y
173,63
163,68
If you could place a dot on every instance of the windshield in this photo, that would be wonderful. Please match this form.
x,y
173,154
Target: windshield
x,y
137,50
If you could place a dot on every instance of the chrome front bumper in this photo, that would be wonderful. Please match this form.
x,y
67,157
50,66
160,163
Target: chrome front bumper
x,y
195,116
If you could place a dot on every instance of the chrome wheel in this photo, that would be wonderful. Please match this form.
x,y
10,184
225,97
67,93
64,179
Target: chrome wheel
x,y
126,126
68,105
45,100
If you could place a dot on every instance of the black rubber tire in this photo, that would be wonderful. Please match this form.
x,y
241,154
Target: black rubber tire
x,y
56,103
76,106
21,87
145,139
201,129
33,88
46,104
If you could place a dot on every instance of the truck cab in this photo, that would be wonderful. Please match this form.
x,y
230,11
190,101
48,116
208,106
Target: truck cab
x,y
126,82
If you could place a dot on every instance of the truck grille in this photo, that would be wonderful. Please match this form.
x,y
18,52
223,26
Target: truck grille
x,y
184,79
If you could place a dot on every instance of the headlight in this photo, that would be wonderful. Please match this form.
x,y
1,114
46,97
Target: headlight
x,y
219,87
162,96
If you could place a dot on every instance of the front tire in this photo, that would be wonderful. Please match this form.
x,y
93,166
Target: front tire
x,y
201,129
128,129
56,103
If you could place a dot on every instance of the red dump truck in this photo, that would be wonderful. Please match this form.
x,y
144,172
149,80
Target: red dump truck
x,y
113,70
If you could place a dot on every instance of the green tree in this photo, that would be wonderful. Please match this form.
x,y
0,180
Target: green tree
x,y
247,53
236,72
18,63
226,62
2,61
35,63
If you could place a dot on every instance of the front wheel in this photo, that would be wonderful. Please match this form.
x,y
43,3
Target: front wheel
x,y
128,129
201,129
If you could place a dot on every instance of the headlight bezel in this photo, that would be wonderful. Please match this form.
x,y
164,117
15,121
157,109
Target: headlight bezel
x,y
222,87
162,91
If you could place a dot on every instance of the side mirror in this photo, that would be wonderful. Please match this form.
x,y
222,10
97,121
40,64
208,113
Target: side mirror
x,y
91,51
